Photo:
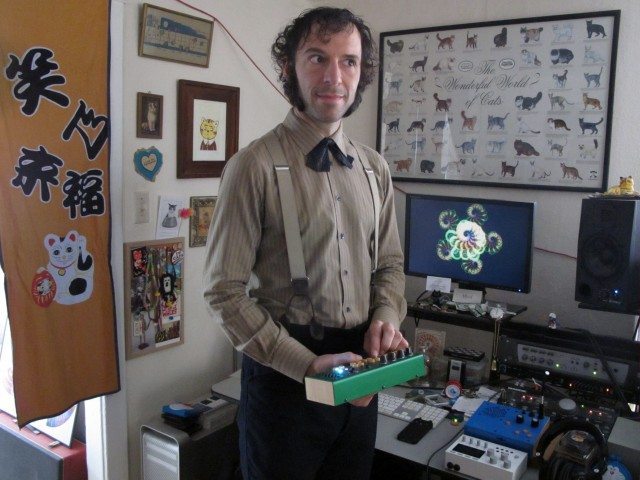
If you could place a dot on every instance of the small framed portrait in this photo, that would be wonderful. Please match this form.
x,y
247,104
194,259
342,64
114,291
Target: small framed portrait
x,y
208,118
149,116
174,36
199,223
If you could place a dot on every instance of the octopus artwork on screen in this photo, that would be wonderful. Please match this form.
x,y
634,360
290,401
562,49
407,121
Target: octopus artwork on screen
x,y
477,243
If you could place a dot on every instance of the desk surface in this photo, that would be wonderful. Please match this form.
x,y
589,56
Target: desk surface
x,y
388,428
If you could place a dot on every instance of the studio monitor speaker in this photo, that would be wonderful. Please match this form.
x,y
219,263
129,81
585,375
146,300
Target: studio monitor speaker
x,y
608,264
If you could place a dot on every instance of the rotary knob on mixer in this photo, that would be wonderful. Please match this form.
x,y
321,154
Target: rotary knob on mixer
x,y
567,405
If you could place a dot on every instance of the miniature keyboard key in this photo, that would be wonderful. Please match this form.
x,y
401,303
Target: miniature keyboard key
x,y
407,410
387,404
435,414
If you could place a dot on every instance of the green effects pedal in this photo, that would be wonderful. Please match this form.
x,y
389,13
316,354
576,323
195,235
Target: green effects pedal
x,y
370,375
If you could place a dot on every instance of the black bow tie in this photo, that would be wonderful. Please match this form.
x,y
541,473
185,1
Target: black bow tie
x,y
318,158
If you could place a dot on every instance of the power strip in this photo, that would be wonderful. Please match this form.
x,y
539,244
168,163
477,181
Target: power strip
x,y
358,379
485,460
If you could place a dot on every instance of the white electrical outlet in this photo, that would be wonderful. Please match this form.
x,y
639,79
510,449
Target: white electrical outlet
x,y
141,206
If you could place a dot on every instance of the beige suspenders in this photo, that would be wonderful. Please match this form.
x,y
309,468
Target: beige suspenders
x,y
373,187
299,279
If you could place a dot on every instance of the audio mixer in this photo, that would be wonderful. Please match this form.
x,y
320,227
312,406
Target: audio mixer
x,y
599,411
485,460
370,375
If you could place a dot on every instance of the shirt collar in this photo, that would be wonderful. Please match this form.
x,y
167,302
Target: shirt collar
x,y
307,137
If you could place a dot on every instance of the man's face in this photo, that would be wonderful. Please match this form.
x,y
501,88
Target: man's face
x,y
328,72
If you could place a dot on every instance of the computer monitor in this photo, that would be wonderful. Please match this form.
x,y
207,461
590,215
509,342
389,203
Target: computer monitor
x,y
477,243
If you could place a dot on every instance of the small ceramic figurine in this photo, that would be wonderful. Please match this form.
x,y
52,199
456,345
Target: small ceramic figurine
x,y
625,187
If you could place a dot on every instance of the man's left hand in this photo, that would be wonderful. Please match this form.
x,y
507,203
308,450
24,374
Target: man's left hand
x,y
383,337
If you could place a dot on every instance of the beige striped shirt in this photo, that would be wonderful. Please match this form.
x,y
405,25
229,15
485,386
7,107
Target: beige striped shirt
x,y
336,216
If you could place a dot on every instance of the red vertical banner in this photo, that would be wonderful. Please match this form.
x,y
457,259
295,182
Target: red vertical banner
x,y
54,202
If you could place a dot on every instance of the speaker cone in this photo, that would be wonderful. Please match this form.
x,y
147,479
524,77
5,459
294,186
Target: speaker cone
x,y
602,257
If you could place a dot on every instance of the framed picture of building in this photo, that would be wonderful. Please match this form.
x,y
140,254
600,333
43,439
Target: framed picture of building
x,y
169,35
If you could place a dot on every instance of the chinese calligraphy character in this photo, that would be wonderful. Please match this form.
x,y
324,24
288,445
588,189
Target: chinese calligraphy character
x,y
84,190
88,119
34,79
37,166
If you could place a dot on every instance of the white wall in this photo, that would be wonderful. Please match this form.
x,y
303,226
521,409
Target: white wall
x,y
186,371
558,213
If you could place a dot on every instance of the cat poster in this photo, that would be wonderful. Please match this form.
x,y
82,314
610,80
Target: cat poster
x,y
209,130
506,103
169,221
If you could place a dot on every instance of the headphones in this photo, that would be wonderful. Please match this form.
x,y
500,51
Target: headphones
x,y
562,468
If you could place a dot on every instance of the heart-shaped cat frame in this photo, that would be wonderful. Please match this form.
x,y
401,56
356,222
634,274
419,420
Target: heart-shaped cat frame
x,y
148,162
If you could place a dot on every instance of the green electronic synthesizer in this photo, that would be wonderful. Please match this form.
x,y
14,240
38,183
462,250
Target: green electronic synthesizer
x,y
365,377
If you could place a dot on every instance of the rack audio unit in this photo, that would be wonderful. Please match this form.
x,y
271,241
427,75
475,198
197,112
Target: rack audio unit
x,y
572,359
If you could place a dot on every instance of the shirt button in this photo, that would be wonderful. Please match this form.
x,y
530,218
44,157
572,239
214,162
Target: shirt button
x,y
346,272
342,236
338,198
348,309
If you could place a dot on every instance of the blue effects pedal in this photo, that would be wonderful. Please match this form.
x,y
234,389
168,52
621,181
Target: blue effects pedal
x,y
370,375
507,426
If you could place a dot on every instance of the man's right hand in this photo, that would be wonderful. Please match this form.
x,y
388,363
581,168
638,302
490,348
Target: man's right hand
x,y
324,363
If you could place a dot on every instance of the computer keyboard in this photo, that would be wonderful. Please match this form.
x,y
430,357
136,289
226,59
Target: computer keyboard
x,y
407,410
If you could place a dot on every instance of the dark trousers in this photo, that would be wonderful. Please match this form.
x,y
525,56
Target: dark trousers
x,y
283,436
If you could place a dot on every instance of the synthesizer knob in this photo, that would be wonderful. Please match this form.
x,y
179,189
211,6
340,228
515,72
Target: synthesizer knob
x,y
383,359
491,452
507,464
520,418
535,422
493,460
400,354
408,352
391,356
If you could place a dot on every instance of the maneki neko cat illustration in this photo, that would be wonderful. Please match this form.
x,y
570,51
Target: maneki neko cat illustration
x,y
68,277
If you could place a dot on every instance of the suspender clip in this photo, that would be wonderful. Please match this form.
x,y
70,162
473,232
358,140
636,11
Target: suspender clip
x,y
300,286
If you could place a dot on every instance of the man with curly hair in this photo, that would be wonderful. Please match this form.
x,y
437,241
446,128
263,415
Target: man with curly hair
x,y
350,302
